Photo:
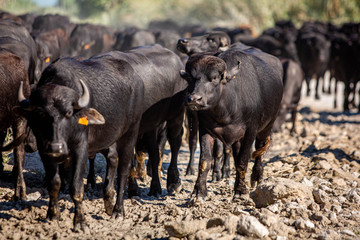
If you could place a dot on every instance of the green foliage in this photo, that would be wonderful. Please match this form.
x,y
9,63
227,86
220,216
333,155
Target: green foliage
x,y
259,14
18,6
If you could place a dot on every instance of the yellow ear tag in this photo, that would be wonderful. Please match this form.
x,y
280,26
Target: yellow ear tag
x,y
83,121
86,47
234,76
47,60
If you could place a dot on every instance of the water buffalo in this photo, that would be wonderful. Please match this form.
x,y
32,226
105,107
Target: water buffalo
x,y
237,95
12,72
292,81
215,41
78,108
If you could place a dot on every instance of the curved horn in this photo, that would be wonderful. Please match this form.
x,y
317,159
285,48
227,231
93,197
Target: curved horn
x,y
21,96
85,98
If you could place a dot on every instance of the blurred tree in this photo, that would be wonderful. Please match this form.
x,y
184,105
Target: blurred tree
x,y
88,8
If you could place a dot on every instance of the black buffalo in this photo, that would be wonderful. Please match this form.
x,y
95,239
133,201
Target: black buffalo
x,y
133,37
12,72
237,95
292,81
215,41
314,53
18,32
210,42
163,101
87,40
78,109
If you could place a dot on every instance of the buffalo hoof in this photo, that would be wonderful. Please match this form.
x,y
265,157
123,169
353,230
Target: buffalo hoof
x,y
132,192
196,202
190,171
109,202
20,192
225,173
216,177
241,189
174,188
155,189
154,192
91,183
119,216
53,214
133,189
256,175
81,227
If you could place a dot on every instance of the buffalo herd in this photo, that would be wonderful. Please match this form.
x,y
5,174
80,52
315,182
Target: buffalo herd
x,y
70,91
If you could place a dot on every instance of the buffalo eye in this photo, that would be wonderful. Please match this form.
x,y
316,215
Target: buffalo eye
x,y
69,114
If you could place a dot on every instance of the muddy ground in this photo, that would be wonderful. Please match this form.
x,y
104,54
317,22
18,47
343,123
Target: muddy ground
x,y
311,188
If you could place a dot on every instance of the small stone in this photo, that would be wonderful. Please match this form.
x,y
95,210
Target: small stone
x,y
323,164
33,196
250,226
332,217
202,235
341,199
348,232
185,228
336,208
319,196
231,223
307,182
314,206
238,211
328,235
302,224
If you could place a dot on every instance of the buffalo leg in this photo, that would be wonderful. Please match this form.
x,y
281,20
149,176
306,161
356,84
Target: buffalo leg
x,y
307,80
125,149
19,157
218,156
133,188
154,157
54,184
109,189
77,186
335,94
174,134
293,120
91,175
162,138
193,131
346,96
261,146
2,140
206,151
317,88
140,166
226,165
242,156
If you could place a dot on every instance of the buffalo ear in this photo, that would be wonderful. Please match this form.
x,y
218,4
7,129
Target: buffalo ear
x,y
184,75
94,117
233,71
224,44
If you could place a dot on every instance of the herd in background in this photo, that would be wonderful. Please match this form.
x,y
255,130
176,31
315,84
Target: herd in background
x,y
34,42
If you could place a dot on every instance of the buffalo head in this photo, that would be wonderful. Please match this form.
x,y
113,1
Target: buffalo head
x,y
58,115
206,75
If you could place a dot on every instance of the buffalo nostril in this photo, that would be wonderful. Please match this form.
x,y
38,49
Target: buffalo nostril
x,y
182,41
198,99
194,99
57,147
189,99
